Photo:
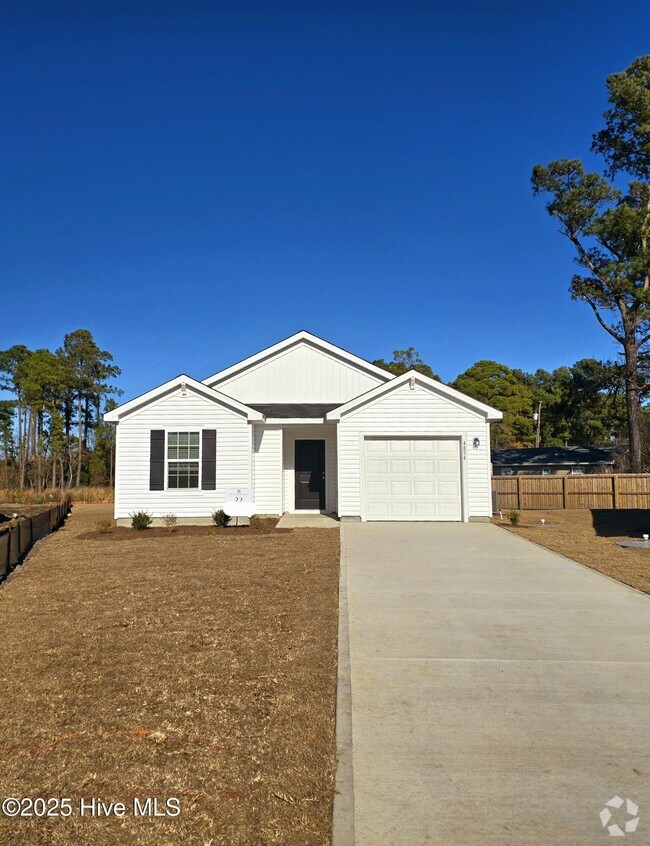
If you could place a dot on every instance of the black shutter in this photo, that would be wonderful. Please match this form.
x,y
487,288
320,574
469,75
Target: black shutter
x,y
209,460
157,460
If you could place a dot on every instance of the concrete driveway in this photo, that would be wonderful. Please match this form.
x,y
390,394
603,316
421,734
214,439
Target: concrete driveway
x,y
500,693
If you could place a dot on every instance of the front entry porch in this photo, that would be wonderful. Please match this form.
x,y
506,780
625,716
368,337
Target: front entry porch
x,y
309,474
295,468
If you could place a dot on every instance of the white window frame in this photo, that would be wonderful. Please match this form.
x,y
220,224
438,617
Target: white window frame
x,y
168,461
577,471
546,471
507,471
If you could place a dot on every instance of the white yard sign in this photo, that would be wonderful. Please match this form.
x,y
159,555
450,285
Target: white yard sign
x,y
239,502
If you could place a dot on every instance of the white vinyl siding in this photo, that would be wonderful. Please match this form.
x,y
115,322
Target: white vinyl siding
x,y
301,374
176,413
267,469
411,414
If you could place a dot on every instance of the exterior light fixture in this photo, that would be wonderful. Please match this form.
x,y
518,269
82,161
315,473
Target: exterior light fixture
x,y
476,443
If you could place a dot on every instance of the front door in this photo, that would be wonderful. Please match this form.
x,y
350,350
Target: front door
x,y
310,475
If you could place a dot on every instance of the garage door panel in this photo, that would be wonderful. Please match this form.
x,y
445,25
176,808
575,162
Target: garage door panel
x,y
377,467
448,511
381,510
446,467
398,446
449,446
426,446
373,446
419,479
401,510
425,510
400,465
424,466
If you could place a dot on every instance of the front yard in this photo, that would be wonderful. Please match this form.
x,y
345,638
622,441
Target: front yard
x,y
591,537
195,666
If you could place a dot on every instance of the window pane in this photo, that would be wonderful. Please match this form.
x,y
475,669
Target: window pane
x,y
183,445
183,474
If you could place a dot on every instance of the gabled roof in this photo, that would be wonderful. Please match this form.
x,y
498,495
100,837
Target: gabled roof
x,y
544,456
437,387
121,411
302,337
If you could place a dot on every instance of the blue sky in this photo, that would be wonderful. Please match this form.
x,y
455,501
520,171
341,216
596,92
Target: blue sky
x,y
193,182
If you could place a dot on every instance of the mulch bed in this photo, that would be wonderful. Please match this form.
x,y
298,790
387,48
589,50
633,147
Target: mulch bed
x,y
124,533
590,536
188,666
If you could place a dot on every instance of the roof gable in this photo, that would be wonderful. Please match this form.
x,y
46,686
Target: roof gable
x,y
167,388
302,338
433,385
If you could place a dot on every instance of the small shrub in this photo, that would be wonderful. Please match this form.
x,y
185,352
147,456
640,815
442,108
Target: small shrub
x,y
514,516
170,522
141,520
220,518
104,526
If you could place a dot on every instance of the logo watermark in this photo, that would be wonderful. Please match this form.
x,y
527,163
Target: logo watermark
x,y
629,826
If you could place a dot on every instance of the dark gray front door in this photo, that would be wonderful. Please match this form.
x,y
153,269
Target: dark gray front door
x,y
310,475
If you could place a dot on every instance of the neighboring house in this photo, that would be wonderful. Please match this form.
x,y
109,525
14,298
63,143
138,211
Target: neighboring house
x,y
553,461
308,427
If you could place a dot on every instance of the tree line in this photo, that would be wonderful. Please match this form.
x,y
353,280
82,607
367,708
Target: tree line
x,y
51,428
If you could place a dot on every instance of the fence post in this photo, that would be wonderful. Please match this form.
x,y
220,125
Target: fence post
x,y
564,492
615,489
518,492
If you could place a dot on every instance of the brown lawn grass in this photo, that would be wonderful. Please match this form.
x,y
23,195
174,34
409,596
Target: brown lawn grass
x,y
590,537
195,666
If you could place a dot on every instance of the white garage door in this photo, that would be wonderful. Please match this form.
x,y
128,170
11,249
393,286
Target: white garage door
x,y
412,479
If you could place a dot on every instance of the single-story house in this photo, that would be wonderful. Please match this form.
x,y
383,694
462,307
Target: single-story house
x,y
307,427
553,461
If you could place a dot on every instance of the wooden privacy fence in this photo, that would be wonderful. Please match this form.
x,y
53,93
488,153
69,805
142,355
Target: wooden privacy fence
x,y
18,536
612,490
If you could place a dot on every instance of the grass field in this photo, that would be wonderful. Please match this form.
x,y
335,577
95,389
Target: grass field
x,y
84,493
590,537
201,667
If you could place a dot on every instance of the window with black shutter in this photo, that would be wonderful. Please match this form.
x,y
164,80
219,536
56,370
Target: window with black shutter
x,y
209,460
157,460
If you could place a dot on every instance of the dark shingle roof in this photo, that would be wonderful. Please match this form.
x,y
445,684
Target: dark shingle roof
x,y
301,409
553,455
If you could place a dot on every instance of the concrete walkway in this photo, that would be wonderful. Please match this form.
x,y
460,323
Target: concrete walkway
x,y
500,693
307,521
